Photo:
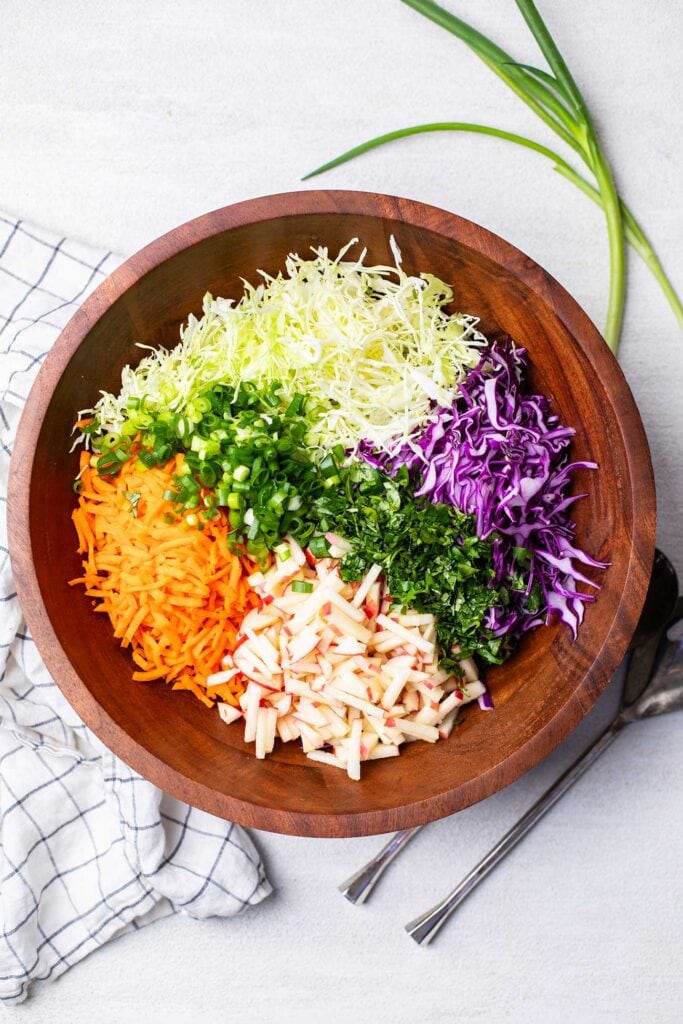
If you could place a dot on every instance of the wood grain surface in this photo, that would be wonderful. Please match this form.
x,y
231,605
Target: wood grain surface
x,y
540,694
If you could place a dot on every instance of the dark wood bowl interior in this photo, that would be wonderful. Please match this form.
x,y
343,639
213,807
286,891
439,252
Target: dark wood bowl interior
x,y
540,694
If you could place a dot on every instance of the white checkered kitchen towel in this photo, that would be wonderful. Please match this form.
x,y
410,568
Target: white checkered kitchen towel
x,y
87,847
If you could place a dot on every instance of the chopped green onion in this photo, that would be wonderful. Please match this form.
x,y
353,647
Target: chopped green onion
x,y
133,497
146,458
319,547
276,500
302,587
328,466
108,464
296,406
107,442
207,474
283,552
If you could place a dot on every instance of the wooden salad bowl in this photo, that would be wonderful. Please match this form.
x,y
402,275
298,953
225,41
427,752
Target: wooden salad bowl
x,y
542,692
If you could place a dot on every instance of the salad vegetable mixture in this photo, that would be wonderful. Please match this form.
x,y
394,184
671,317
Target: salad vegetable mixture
x,y
319,507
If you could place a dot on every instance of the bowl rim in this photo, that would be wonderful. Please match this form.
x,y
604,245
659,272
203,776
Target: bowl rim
x,y
514,262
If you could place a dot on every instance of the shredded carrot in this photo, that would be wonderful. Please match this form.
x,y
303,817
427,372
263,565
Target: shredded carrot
x,y
175,595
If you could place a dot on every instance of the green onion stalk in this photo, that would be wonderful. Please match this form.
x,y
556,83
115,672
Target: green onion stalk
x,y
555,98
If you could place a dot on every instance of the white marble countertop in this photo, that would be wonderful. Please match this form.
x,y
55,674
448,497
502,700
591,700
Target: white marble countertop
x,y
120,120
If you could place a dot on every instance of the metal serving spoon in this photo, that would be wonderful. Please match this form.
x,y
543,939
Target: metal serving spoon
x,y
659,604
663,693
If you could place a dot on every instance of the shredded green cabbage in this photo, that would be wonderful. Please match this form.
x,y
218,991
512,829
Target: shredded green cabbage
x,y
373,347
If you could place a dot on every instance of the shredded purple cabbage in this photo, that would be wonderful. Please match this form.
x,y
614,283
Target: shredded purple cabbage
x,y
485,700
499,454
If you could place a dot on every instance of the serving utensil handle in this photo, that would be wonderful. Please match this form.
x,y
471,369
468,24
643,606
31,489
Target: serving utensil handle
x,y
424,928
358,887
